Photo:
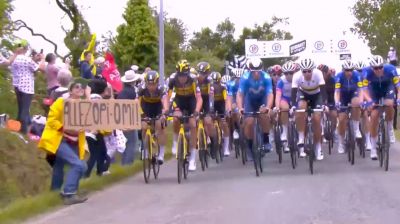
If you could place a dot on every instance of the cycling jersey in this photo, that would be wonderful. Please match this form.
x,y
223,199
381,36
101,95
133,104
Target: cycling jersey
x,y
285,88
255,92
151,102
330,91
185,93
348,87
311,86
219,93
205,87
381,87
232,88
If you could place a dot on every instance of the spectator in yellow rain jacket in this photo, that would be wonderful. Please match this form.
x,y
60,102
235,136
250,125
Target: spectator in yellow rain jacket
x,y
68,148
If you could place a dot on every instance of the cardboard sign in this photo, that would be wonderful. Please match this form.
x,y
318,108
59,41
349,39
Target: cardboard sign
x,y
93,115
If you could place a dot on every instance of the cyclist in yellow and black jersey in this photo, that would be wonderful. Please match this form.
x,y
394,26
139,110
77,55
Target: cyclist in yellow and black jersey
x,y
218,95
153,102
187,101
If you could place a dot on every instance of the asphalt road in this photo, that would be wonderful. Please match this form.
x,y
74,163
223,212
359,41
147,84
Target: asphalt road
x,y
231,193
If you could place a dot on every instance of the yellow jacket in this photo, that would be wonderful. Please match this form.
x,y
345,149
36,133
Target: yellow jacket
x,y
53,135
91,48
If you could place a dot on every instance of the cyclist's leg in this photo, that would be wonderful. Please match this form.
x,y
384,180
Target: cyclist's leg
x,y
176,126
301,125
161,139
220,109
248,126
389,102
284,118
342,130
193,137
316,103
333,116
355,116
374,131
265,122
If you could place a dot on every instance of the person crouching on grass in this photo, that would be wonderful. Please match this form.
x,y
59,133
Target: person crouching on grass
x,y
68,146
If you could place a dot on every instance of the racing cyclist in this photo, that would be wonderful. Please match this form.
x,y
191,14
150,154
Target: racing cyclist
x,y
348,90
255,94
231,105
282,98
380,81
188,101
308,89
153,101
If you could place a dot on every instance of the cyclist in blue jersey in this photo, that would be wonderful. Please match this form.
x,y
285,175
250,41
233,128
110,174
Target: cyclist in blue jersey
x,y
255,94
231,105
380,81
282,98
348,90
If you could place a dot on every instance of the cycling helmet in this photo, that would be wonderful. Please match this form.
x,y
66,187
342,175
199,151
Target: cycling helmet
x,y
277,69
307,63
289,67
193,71
323,68
255,64
347,64
225,79
376,61
359,65
203,68
183,66
216,76
151,77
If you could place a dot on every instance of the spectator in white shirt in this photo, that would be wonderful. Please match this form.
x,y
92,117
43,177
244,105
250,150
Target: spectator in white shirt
x,y
23,70
392,56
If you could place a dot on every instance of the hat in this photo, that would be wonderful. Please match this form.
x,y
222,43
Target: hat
x,y
135,67
130,76
99,60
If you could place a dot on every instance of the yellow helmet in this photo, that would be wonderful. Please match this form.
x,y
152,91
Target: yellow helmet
x,y
151,77
183,66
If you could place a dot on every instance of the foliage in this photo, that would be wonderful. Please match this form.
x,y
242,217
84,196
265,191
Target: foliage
x,y
137,39
378,22
5,19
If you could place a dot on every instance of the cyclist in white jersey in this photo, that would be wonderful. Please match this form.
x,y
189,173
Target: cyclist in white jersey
x,y
308,89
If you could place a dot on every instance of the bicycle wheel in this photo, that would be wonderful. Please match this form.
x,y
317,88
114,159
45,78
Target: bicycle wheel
x,y
156,165
310,149
220,143
243,147
386,147
186,162
217,146
202,149
352,143
381,141
147,159
181,159
328,134
236,147
278,142
260,141
292,145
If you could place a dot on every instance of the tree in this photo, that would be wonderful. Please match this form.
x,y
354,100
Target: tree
x,y
137,39
5,19
77,38
378,22
225,32
174,37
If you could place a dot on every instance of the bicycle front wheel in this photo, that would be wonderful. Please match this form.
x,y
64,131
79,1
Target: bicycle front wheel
x,y
292,145
278,142
147,159
181,158
202,149
156,165
309,147
381,141
386,148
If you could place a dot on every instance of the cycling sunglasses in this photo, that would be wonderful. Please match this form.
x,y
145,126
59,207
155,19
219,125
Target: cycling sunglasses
x,y
306,71
378,68
288,73
349,70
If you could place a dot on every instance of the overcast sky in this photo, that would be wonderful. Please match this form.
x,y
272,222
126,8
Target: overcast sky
x,y
309,19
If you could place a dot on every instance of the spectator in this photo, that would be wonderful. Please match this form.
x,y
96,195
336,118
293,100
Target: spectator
x,y
99,62
86,68
95,140
64,78
51,73
23,70
68,146
392,56
129,92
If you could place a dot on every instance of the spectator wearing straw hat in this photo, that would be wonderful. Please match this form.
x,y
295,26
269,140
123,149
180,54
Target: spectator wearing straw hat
x,y
129,92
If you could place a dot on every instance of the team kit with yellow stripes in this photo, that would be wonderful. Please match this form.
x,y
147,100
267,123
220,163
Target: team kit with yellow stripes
x,y
294,108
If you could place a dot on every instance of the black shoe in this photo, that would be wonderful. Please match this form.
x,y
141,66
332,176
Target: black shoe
x,y
160,162
74,199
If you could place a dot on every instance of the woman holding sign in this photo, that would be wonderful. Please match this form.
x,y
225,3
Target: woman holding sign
x,y
67,146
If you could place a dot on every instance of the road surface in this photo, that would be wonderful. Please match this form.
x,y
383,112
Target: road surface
x,y
230,193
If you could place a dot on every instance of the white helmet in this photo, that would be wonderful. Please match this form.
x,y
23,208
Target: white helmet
x,y
225,79
359,65
376,61
288,67
254,64
307,63
348,64
237,72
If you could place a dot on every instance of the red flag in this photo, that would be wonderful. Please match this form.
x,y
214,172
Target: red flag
x,y
111,73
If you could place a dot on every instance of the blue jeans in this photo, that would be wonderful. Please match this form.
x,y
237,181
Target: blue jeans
x,y
67,154
131,147
24,101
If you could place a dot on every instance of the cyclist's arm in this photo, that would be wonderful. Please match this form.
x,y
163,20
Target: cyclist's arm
x,y
270,100
278,96
269,92
294,95
199,99
165,103
338,87
360,89
366,90
228,106
239,100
